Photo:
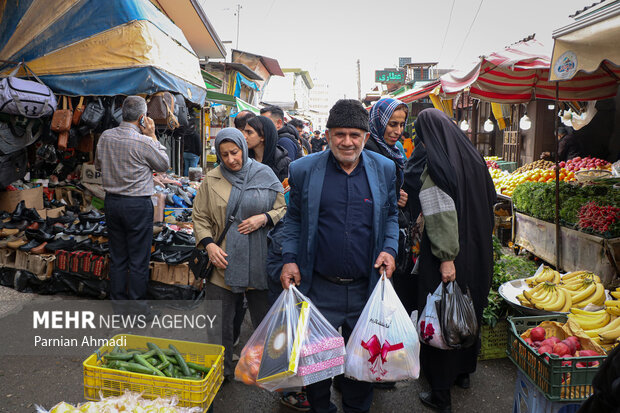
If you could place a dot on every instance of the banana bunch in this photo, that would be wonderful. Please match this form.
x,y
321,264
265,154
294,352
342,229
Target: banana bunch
x,y
546,275
613,306
611,332
546,296
584,288
592,322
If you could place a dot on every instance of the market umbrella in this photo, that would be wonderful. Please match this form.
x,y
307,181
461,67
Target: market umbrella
x,y
520,73
94,47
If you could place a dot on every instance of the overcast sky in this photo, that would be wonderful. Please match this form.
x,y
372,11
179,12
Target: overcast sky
x,y
326,37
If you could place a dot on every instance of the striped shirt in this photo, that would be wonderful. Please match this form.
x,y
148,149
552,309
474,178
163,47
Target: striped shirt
x,y
127,159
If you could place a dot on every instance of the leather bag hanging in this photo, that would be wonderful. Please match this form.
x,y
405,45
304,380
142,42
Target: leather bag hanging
x,y
32,99
77,113
61,120
93,113
160,108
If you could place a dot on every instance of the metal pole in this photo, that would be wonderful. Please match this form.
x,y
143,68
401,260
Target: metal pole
x,y
359,81
557,178
238,13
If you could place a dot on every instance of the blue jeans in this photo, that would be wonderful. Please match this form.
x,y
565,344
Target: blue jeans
x,y
189,161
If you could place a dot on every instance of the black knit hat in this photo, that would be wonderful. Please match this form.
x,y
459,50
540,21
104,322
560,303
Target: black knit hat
x,y
348,113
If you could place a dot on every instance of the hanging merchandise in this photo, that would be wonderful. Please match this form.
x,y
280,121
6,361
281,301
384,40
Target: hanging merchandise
x,y
384,344
93,113
180,110
294,346
16,134
26,97
160,108
61,123
459,324
429,326
77,113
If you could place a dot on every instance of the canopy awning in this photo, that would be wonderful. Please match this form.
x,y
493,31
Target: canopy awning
x,y
589,45
91,47
243,105
520,73
417,93
221,98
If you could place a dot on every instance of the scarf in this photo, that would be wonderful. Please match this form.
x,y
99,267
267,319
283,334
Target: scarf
x,y
255,187
271,140
380,115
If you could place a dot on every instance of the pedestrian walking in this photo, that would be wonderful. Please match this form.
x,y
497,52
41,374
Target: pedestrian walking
x,y
252,189
456,198
340,232
127,156
262,138
287,134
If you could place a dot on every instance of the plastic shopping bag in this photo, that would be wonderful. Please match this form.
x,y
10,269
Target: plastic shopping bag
x,y
429,325
293,346
384,344
458,317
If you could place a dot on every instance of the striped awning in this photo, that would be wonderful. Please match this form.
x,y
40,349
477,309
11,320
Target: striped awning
x,y
520,73
418,93
94,47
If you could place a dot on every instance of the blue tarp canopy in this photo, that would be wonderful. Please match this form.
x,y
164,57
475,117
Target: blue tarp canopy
x,y
95,47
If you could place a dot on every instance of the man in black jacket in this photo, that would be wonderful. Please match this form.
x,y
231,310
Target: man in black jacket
x,y
289,138
298,124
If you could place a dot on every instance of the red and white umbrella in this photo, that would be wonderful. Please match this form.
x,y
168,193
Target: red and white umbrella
x,y
520,73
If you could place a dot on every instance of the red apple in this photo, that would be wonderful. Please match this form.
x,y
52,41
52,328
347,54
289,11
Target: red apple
x,y
561,349
555,339
571,346
529,342
588,353
538,334
537,344
549,342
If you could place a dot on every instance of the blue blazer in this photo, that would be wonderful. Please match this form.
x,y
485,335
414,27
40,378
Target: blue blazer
x,y
301,222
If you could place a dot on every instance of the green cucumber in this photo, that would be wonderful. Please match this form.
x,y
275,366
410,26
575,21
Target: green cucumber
x,y
198,367
141,360
181,360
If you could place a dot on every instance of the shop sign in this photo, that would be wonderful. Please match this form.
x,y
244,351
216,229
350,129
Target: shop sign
x,y
566,65
389,76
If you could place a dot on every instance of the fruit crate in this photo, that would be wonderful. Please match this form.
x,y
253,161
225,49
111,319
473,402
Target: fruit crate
x,y
493,341
190,393
556,382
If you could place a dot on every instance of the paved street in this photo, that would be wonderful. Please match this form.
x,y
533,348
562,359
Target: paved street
x,y
26,381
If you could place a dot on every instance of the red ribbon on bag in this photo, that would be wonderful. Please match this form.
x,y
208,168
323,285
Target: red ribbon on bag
x,y
375,349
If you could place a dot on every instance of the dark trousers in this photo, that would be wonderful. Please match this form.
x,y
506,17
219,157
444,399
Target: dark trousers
x,y
130,233
258,305
341,305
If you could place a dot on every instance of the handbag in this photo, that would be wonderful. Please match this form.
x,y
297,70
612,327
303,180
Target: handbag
x,y
61,120
93,113
77,113
199,260
181,110
160,107
32,99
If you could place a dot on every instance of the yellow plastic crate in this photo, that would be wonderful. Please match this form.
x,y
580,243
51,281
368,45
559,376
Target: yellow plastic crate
x,y
190,393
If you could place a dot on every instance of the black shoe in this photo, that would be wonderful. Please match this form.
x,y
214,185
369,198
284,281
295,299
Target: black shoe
x,y
17,224
183,238
32,215
91,216
100,249
63,219
463,381
384,385
427,399
61,244
17,214
86,245
30,245
72,229
163,236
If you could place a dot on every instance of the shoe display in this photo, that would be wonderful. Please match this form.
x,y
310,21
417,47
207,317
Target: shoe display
x,y
39,249
20,225
31,214
33,226
61,244
91,216
4,242
183,238
7,232
29,245
17,243
16,215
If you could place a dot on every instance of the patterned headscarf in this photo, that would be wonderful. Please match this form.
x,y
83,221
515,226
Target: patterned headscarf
x,y
380,115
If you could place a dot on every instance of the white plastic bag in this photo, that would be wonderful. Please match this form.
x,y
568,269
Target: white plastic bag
x,y
384,344
429,325
302,346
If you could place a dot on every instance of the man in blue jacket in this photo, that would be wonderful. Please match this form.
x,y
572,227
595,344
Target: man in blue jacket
x,y
340,233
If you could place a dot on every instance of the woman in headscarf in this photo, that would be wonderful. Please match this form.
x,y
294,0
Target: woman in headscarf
x,y
240,260
456,198
387,121
262,138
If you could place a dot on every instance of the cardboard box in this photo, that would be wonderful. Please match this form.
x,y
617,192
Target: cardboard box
x,y
10,199
171,274
91,175
7,257
41,265
51,213
21,260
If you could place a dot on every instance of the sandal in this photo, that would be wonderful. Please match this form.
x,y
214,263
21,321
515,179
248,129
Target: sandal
x,y
297,401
